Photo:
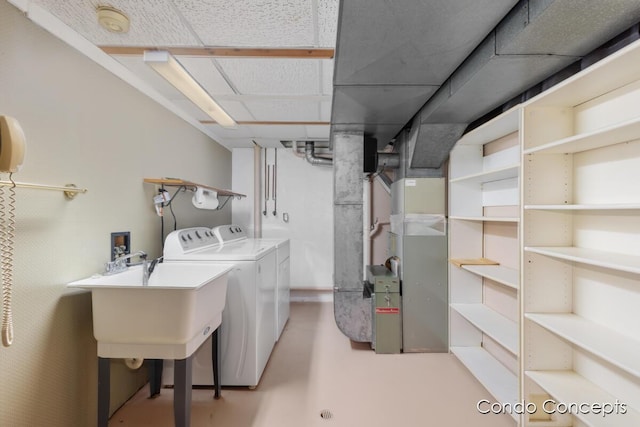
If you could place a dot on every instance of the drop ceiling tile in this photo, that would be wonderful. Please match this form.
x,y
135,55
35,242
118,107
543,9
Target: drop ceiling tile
x,y
325,111
279,131
151,23
240,143
257,23
235,109
327,76
269,143
273,76
206,73
327,22
318,131
231,133
284,109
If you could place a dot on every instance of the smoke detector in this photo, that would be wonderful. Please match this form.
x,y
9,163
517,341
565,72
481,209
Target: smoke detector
x,y
112,19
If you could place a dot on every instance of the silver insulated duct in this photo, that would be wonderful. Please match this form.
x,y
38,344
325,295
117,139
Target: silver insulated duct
x,y
309,154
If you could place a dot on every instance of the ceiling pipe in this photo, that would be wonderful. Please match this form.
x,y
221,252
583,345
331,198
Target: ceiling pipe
x,y
309,151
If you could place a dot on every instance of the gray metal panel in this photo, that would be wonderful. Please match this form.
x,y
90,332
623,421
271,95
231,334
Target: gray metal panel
x,y
383,132
418,195
434,142
500,79
408,41
424,294
558,27
378,104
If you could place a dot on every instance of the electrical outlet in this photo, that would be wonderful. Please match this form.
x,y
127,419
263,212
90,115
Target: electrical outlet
x,y
120,244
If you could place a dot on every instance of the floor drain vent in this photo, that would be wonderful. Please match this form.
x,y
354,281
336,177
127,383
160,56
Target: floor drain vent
x,y
326,414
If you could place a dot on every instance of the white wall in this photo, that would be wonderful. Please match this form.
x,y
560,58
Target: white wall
x,y
87,127
305,193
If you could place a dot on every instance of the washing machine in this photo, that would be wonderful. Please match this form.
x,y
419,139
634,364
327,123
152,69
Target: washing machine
x,y
248,320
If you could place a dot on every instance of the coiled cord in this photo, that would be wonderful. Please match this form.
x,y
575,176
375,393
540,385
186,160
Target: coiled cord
x,y
7,238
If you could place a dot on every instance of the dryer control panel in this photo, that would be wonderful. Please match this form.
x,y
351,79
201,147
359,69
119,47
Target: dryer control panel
x,y
182,241
229,233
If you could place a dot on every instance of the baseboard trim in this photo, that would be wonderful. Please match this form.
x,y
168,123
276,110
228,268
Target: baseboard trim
x,y
311,295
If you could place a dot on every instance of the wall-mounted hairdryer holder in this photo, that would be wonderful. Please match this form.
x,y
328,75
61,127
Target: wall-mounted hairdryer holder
x,y
70,190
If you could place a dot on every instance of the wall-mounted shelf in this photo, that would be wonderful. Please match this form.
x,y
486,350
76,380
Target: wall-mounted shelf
x,y
608,344
189,185
505,172
498,273
568,386
484,218
493,375
605,259
176,182
580,279
498,327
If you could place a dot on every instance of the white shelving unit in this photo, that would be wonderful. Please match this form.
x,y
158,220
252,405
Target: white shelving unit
x,y
484,215
580,224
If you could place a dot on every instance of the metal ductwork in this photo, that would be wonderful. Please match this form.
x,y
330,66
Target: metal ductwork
x,y
458,60
309,154
434,67
534,41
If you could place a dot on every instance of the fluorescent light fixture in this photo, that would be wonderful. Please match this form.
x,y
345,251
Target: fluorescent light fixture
x,y
167,66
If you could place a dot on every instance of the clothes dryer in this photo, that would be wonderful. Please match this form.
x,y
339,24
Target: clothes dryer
x,y
248,320
283,277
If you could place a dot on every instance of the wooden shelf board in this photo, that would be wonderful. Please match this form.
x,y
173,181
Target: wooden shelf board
x,y
493,375
621,132
506,172
486,218
459,262
498,273
493,324
586,207
568,386
176,182
617,349
614,261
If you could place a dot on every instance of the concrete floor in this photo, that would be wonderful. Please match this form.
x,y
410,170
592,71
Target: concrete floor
x,y
315,368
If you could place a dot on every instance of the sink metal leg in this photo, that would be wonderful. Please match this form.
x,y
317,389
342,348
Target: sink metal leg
x,y
215,361
155,376
182,381
104,380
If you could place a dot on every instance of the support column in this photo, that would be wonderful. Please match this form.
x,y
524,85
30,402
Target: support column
x,y
352,312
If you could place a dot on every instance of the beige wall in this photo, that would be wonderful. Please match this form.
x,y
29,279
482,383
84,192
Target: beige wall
x,y
87,127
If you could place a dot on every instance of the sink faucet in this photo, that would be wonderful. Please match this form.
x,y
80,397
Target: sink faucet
x,y
147,269
120,264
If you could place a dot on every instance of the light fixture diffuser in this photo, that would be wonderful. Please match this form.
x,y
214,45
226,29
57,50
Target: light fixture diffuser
x,y
169,68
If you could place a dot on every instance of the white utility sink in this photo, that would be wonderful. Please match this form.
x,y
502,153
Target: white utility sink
x,y
168,319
